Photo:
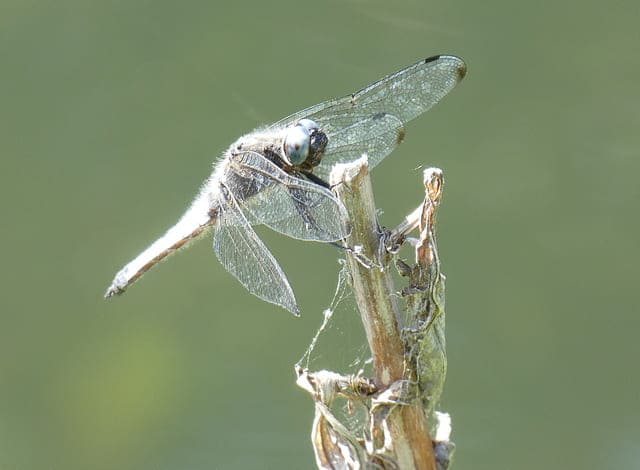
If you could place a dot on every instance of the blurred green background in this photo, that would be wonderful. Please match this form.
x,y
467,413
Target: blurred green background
x,y
111,113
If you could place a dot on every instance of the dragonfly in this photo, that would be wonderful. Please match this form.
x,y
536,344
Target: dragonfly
x,y
276,176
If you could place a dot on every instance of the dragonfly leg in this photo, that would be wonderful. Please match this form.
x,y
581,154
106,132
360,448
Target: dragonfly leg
x,y
316,179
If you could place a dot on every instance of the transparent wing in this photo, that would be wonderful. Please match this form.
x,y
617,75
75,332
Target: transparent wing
x,y
376,135
404,94
244,255
287,204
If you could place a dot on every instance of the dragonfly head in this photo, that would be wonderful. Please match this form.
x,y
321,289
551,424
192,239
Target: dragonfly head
x,y
304,143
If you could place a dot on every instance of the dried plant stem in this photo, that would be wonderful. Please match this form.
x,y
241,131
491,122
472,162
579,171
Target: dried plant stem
x,y
376,299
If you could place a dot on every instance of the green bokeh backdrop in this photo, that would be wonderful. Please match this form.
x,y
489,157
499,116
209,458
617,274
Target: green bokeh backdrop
x,y
111,113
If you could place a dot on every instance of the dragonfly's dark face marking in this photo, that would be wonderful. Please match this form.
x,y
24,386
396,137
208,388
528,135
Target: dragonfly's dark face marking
x,y
318,142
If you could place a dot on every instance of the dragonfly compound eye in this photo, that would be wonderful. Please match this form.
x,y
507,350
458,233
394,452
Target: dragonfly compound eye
x,y
308,124
317,141
296,144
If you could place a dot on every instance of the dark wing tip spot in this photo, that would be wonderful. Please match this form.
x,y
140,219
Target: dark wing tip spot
x,y
462,70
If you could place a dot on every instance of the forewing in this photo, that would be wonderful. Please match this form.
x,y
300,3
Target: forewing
x,y
404,95
244,255
376,135
287,204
